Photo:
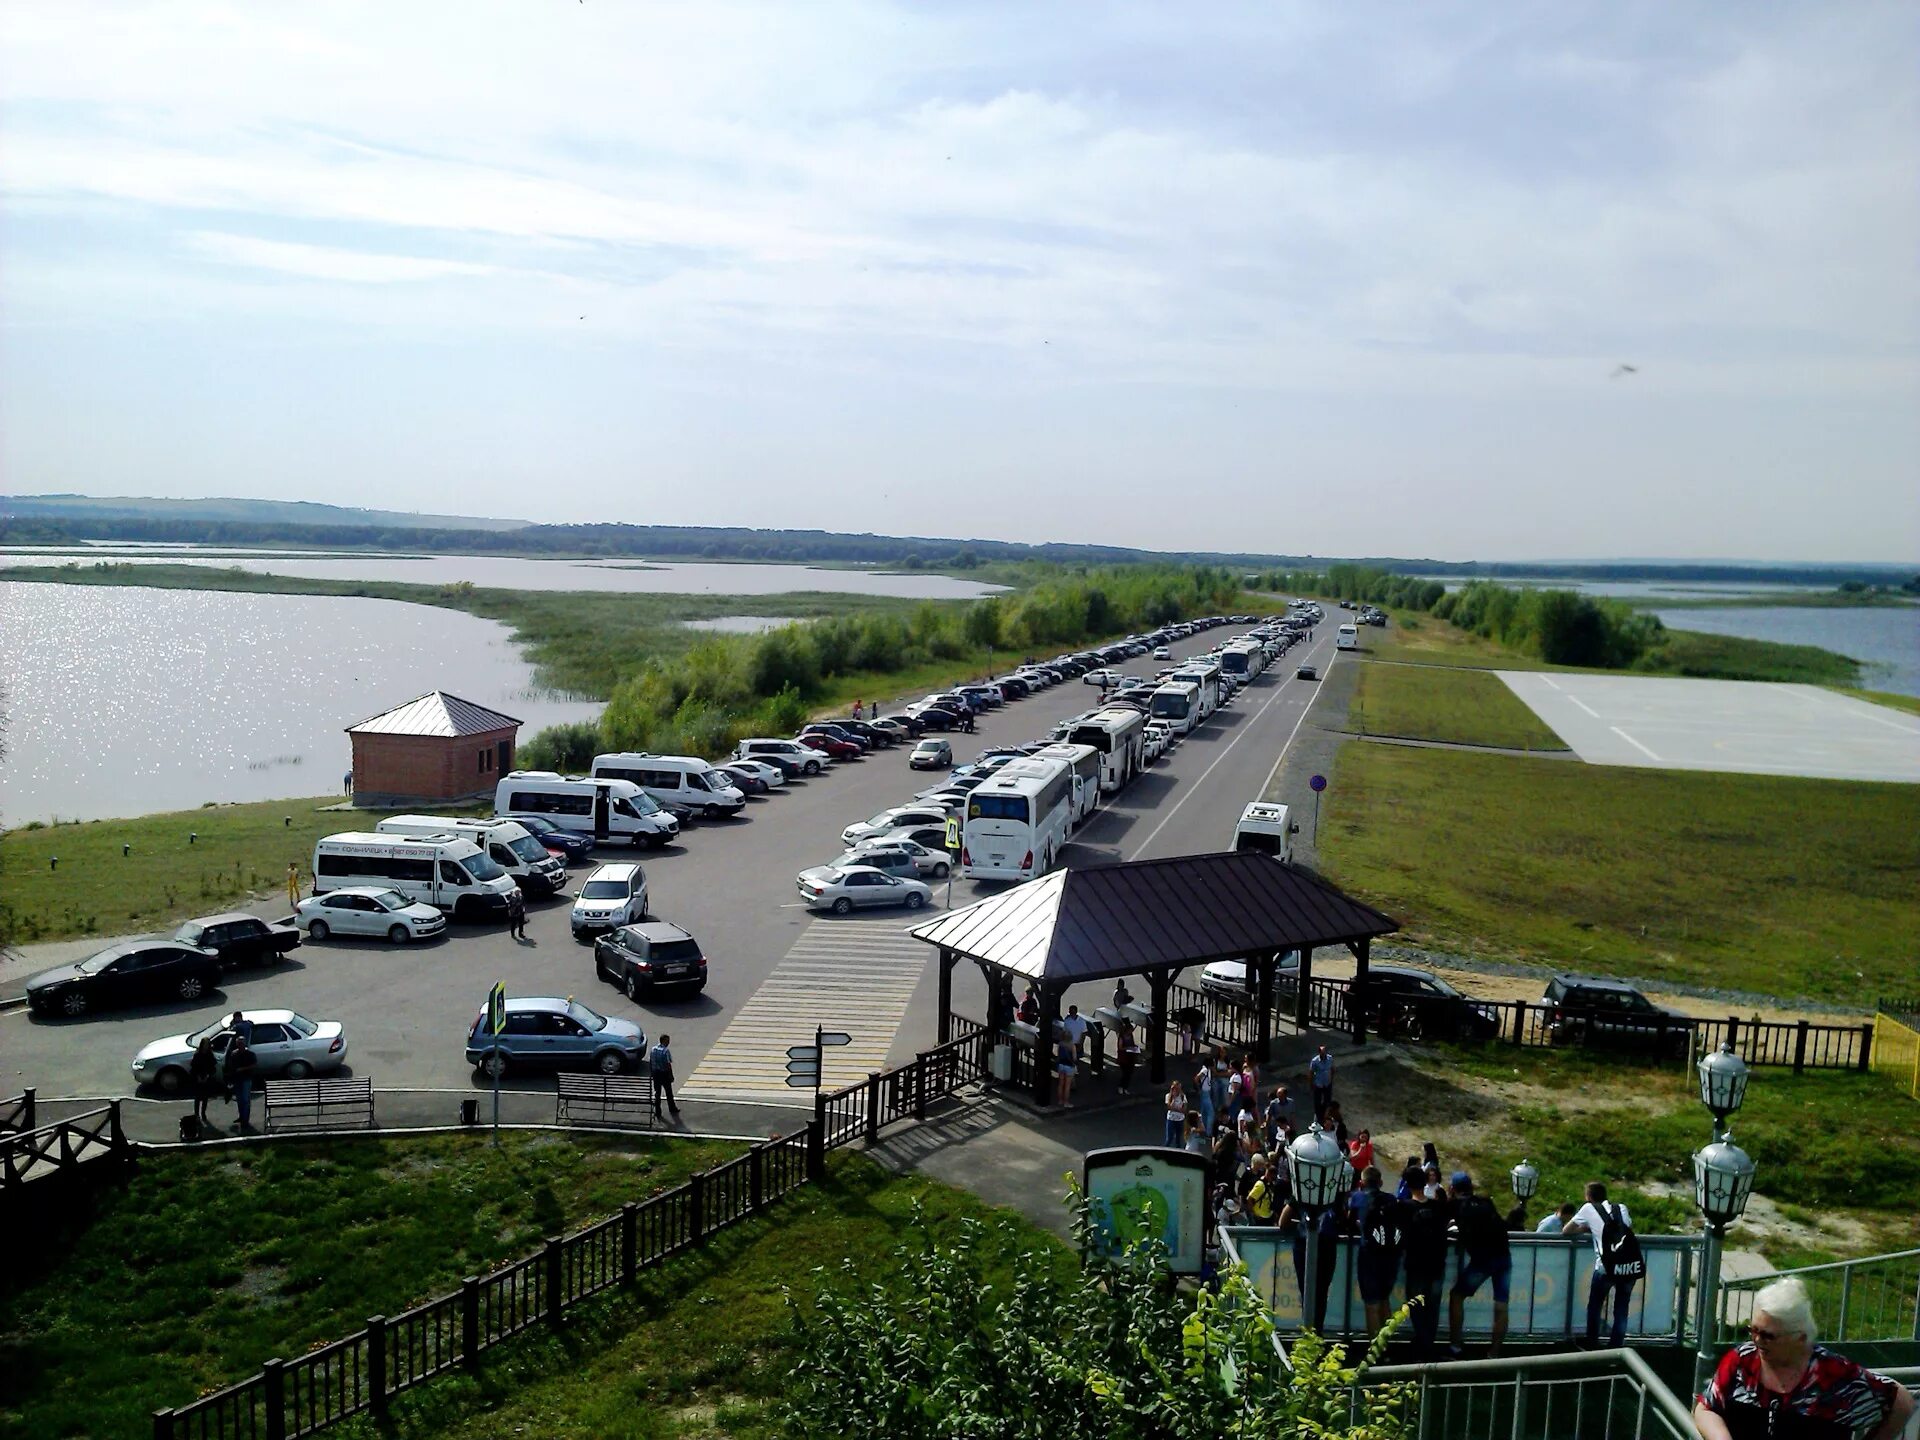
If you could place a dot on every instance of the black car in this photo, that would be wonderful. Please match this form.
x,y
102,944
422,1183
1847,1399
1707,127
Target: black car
x,y
1588,1011
912,724
1014,688
837,732
878,736
1404,1001
138,972
239,939
644,957
936,717
553,837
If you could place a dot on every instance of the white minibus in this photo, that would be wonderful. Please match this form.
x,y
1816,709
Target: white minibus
x,y
604,809
679,782
1018,821
507,844
1267,828
453,876
1347,637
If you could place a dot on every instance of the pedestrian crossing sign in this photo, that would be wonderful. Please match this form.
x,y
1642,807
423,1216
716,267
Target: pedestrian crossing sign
x,y
497,1008
953,832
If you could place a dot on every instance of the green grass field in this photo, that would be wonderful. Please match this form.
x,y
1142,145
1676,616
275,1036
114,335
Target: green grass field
x,y
1778,885
1430,702
241,850
210,1262
1909,703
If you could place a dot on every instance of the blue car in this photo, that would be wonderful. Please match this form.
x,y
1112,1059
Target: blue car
x,y
554,838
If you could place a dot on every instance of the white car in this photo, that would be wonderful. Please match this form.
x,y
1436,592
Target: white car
x,y
896,818
613,895
773,775
843,889
1163,652
1101,677
802,759
926,861
285,1042
367,910
1160,737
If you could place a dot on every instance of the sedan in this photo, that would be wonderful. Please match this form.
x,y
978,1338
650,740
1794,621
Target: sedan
x,y
841,889
912,724
550,835
901,857
931,755
957,785
937,717
1163,652
774,775
642,958
747,782
138,972
892,818
834,748
367,910
1306,672
284,1041
1101,677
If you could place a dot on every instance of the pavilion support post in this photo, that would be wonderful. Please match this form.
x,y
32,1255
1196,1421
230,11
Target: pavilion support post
x,y
1303,996
1357,996
1159,982
1263,1000
945,1019
1043,1045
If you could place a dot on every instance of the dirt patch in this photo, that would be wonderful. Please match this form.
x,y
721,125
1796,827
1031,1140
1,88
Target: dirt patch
x,y
262,1285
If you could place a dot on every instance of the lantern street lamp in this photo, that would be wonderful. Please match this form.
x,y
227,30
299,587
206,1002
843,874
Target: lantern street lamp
x,y
1722,1183
1321,1175
1526,1180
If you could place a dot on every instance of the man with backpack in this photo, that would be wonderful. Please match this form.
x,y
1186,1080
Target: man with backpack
x,y
1485,1256
1426,1244
1380,1220
1617,1262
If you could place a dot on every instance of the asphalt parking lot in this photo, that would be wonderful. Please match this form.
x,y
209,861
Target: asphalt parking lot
x,y
407,1010
1744,726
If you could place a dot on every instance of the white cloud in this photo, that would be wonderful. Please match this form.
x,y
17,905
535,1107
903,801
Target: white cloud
x,y
319,262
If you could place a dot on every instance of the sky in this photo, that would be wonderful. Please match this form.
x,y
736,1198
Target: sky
x,y
1316,279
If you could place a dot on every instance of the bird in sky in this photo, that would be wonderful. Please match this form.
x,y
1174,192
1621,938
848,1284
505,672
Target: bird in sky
x,y
1624,370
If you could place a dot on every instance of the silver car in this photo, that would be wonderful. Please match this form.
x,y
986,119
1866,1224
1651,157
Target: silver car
x,y
843,888
903,857
367,910
548,1033
285,1042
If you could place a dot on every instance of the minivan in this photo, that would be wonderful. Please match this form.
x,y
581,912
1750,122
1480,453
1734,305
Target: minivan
x,y
507,844
679,782
604,809
454,876
1347,637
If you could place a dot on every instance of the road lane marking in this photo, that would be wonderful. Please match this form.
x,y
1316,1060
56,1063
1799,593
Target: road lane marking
x,y
1575,699
1636,744
1547,681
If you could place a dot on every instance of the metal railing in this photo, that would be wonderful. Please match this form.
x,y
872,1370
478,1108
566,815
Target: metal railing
x,y
1593,1395
1876,1297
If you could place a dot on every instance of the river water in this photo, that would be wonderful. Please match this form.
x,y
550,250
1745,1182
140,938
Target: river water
x,y
1885,638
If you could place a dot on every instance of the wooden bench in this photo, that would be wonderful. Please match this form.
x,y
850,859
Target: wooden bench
x,y
605,1100
317,1104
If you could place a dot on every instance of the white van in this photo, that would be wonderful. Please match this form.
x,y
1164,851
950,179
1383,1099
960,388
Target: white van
x,y
507,844
1268,829
1347,638
680,782
454,876
604,809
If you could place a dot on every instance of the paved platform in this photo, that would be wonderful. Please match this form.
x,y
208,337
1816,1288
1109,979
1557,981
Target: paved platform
x,y
1745,726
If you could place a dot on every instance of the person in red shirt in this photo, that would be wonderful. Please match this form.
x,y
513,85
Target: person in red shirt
x,y
1782,1386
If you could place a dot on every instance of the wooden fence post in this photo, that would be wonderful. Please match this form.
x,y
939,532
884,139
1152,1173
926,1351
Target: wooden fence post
x,y
1865,1062
556,1278
817,1147
276,1401
873,1106
377,1363
920,1068
470,1320
696,1206
26,1117
1800,1048
629,1243
163,1424
1733,1032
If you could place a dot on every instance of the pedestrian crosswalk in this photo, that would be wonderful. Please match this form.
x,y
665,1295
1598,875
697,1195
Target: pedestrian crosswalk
x,y
855,975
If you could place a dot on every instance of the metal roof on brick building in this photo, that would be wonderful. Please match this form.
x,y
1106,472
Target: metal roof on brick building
x,y
1093,924
435,713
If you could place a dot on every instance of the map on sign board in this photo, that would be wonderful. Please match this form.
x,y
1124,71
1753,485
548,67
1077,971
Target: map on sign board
x,y
1141,1193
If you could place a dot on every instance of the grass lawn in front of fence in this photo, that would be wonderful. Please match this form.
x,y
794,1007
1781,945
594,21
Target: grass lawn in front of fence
x,y
241,850
1771,884
1431,702
208,1262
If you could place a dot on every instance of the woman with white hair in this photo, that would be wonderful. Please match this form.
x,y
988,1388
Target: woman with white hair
x,y
1781,1384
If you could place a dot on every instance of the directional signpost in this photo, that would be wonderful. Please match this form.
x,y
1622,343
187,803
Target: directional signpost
x,y
804,1062
1318,783
496,1022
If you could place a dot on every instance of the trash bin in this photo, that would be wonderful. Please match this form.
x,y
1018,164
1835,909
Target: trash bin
x,y
469,1112
1000,1064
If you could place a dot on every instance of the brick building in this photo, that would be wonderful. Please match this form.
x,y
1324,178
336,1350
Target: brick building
x,y
438,747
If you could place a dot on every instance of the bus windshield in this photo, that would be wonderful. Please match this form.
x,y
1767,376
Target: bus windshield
x,y
998,807
1172,707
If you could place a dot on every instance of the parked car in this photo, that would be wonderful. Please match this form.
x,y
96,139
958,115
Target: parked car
x,y
1101,677
1306,672
747,782
544,1032
957,785
239,939
368,910
1403,1000
895,730
931,755
1229,979
937,717
613,895
832,745
892,818
877,736
842,889
790,755
771,775
136,972
899,856
285,1042
829,731
929,837
643,958
912,724
560,842
1589,1011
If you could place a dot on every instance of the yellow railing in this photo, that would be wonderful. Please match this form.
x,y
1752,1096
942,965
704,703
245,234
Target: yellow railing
x,y
1896,1051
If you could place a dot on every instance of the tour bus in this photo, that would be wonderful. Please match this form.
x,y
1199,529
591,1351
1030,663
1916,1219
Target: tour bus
x,y
1178,704
1085,763
1119,733
604,809
451,875
1018,821
1266,828
1245,658
1347,638
1204,676
680,782
507,844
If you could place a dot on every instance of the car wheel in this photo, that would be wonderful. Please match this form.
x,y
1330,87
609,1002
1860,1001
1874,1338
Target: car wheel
x,y
74,1002
812,767
192,987
632,987
843,906
495,1064
915,900
318,930
940,871
170,1081
298,1070
397,934
609,1062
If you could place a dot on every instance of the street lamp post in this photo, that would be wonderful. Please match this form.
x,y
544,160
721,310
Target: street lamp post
x,y
1320,1174
1722,1183
1526,1180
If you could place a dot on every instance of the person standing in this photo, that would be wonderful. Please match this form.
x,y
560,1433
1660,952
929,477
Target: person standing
x,y
517,916
1176,1115
241,1065
1323,1231
293,885
1617,1262
1783,1383
1381,1221
1129,1048
1426,1257
1485,1256
1064,1064
660,1067
1222,1073
1122,997
203,1071
1279,1117
1075,1025
1203,1094
856,711
1320,1073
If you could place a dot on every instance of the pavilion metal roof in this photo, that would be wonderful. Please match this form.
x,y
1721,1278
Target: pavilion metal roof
x,y
434,713
1077,925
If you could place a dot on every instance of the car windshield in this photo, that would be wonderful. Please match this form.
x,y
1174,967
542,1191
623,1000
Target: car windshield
x,y
528,848
604,890
483,868
389,899
94,964
588,1018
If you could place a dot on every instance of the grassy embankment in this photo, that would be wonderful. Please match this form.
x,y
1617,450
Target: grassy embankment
x,y
210,1262
1463,707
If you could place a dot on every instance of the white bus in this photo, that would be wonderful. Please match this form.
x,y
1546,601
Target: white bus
x,y
604,809
1267,828
1018,821
1119,733
1178,704
1244,658
1347,638
1204,676
1085,763
454,876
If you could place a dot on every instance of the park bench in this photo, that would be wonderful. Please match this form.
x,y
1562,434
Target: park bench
x,y
605,1100
318,1104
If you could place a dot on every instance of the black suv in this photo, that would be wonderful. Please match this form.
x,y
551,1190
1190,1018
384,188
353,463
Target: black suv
x,y
653,953
1606,1012
239,939
1404,1001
